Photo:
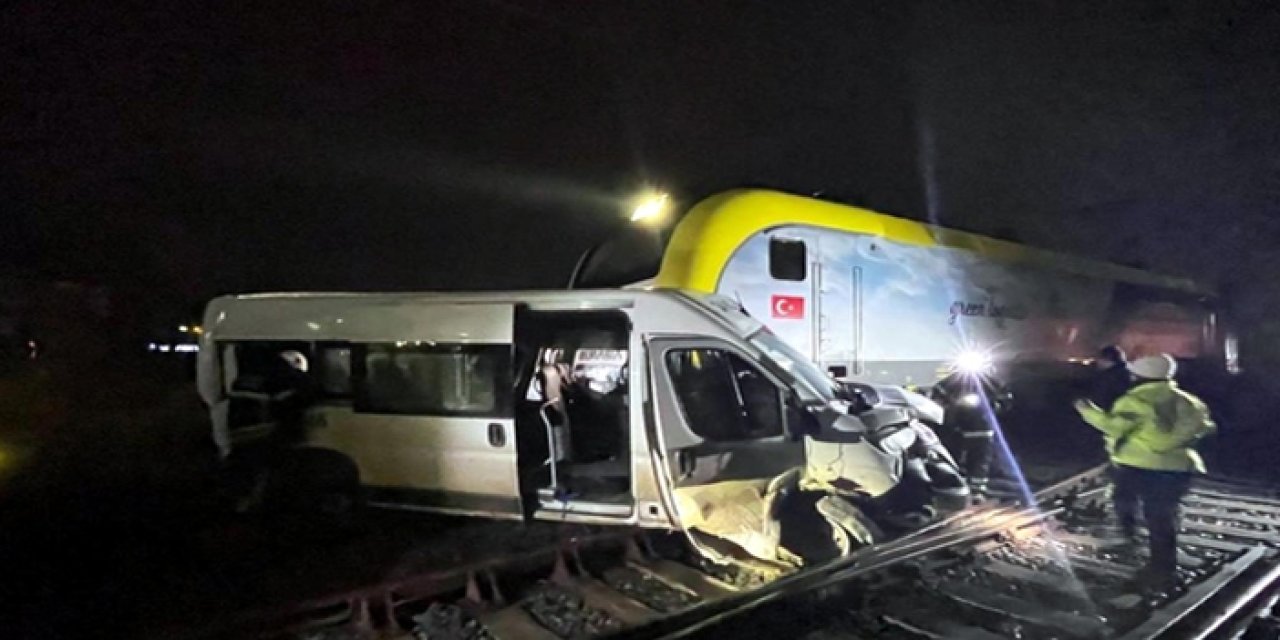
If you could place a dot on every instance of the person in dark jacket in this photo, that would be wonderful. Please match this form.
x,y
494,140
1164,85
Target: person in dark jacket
x,y
289,390
293,391
973,402
1112,379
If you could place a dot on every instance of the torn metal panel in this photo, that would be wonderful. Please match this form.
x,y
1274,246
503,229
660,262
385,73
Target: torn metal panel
x,y
735,510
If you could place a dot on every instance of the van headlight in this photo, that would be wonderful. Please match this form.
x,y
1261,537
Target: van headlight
x,y
970,400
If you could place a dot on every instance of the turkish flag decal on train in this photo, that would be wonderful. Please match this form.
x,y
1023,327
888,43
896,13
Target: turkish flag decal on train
x,y
787,307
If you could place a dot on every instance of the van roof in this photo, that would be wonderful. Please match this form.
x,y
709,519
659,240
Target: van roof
x,y
430,316
458,297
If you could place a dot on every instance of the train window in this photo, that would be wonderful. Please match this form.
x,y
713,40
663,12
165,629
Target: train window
x,y
453,380
723,397
788,259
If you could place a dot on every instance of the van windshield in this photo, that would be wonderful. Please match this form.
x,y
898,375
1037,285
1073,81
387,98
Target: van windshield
x,y
810,378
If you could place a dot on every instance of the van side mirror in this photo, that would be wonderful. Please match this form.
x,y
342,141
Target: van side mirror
x,y
799,421
861,397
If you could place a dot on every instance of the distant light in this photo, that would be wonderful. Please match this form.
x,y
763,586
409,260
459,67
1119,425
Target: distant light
x,y
164,348
186,348
197,330
651,207
313,326
1231,354
151,346
183,328
969,400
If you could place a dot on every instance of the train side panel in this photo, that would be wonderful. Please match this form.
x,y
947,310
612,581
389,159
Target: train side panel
x,y
888,312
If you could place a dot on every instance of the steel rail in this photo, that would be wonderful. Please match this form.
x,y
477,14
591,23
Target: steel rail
x,y
1219,602
358,605
967,530
1236,615
710,613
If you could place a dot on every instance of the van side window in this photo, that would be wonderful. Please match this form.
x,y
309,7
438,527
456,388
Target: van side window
x,y
257,374
788,259
259,367
333,370
723,397
439,380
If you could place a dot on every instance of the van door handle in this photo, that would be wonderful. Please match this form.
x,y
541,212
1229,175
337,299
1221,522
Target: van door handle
x,y
497,435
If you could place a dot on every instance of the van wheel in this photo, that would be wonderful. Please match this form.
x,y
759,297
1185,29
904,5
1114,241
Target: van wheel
x,y
338,508
322,489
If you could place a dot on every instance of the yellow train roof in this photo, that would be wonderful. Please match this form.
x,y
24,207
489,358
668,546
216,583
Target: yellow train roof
x,y
709,234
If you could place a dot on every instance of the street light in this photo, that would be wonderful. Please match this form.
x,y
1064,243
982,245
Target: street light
x,y
651,207
649,210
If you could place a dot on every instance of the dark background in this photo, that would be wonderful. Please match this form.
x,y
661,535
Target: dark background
x,y
189,151
153,155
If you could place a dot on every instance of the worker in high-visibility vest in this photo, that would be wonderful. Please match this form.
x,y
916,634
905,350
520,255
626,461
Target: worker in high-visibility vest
x,y
1150,434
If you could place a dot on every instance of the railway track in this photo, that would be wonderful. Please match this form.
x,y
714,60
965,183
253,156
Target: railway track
x,y
1053,571
1047,570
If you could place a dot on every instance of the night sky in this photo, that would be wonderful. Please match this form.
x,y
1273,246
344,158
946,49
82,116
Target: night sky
x,y
476,143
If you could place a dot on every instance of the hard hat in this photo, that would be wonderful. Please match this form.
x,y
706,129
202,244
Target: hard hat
x,y
1161,367
295,360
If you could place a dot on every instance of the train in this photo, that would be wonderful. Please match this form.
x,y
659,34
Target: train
x,y
883,299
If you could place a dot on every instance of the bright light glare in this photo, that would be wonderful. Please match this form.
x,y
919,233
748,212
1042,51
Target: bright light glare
x,y
651,207
973,362
970,400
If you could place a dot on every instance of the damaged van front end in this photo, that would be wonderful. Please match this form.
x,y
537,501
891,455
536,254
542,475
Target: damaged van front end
x,y
771,465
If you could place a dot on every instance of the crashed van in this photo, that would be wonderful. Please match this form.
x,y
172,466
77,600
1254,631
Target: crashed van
x,y
648,408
